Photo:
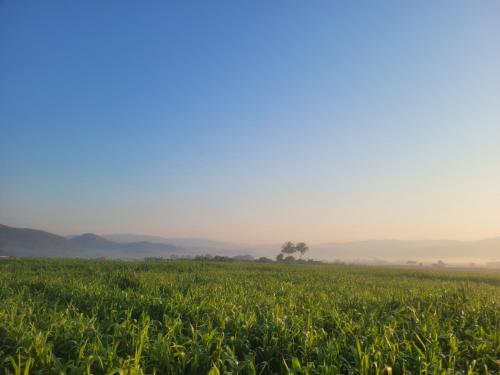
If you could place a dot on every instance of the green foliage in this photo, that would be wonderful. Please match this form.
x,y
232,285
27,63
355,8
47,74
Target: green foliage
x,y
177,317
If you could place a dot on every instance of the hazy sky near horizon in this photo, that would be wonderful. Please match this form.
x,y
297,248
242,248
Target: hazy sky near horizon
x,y
251,121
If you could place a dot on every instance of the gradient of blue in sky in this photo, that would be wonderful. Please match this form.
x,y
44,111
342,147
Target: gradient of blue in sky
x,y
251,121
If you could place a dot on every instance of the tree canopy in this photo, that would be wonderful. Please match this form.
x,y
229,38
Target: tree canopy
x,y
290,248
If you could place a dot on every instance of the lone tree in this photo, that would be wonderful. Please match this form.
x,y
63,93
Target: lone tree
x,y
290,248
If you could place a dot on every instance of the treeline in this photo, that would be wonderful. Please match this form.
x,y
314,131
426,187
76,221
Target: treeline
x,y
237,258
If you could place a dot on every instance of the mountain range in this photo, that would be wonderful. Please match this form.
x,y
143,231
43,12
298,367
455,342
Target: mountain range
x,y
401,251
24,242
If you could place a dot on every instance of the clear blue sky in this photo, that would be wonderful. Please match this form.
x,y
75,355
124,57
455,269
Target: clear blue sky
x,y
251,121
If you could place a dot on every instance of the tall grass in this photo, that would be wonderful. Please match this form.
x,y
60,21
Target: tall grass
x,y
177,317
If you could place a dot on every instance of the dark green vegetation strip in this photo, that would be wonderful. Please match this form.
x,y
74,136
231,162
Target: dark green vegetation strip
x,y
168,317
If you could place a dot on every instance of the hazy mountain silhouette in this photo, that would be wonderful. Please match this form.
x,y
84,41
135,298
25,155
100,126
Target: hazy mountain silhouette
x,y
24,242
21,242
486,250
198,244
35,243
93,241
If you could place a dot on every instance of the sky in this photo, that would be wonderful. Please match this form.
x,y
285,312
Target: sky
x,y
251,121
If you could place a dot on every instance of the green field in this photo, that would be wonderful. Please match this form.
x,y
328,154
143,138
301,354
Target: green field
x,y
196,317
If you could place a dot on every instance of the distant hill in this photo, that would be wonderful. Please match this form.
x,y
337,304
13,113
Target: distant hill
x,y
93,241
487,250
24,242
369,251
21,242
194,244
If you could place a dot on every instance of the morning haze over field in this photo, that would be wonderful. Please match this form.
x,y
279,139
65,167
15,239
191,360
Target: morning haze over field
x,y
370,130
250,187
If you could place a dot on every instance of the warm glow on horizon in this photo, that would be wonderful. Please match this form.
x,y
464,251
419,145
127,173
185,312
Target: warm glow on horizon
x,y
342,122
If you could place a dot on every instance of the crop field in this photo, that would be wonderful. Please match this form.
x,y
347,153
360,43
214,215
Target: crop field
x,y
198,317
